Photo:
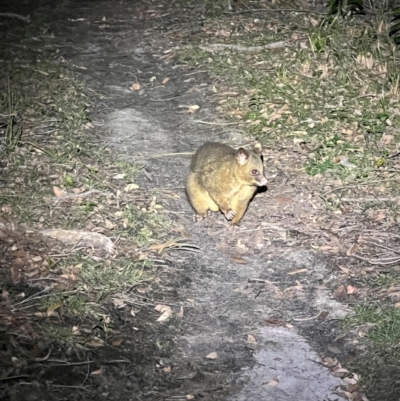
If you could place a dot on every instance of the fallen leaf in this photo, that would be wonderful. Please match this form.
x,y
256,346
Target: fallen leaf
x,y
117,342
239,260
131,187
119,176
193,109
59,193
251,339
167,369
179,315
165,80
212,355
97,372
95,342
335,350
109,224
284,200
135,87
344,269
273,382
166,312
350,289
387,139
76,331
340,292
298,271
118,303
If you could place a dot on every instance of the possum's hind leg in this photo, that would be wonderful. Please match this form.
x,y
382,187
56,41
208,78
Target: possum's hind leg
x,y
199,198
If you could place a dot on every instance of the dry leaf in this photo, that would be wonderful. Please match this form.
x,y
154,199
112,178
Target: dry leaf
x,y
135,87
273,382
335,350
190,397
118,303
120,176
350,289
165,80
166,312
97,372
298,271
251,339
179,315
76,331
117,342
59,193
239,260
167,369
340,293
95,342
212,355
387,139
284,200
109,224
344,269
193,109
131,187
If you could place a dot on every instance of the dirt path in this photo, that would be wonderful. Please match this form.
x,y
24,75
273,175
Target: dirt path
x,y
260,305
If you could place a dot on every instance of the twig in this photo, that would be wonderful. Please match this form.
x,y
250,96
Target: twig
x,y
394,155
382,262
273,11
308,318
79,195
43,359
60,362
381,246
14,377
214,123
370,199
87,373
17,16
390,170
164,155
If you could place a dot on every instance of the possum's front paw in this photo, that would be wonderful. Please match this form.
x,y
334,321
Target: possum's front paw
x,y
230,214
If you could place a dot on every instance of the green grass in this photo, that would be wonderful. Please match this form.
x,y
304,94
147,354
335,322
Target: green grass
x,y
377,362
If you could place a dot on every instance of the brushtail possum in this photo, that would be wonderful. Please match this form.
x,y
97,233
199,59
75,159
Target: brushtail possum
x,y
222,178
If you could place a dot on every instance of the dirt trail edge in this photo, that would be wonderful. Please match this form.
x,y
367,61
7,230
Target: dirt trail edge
x,y
264,324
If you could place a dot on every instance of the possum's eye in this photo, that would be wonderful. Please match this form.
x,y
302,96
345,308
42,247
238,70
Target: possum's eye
x,y
255,172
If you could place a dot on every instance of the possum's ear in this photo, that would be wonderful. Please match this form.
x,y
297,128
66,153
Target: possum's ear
x,y
242,156
258,148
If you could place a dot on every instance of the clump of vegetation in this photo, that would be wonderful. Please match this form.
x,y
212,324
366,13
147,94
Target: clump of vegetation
x,y
55,180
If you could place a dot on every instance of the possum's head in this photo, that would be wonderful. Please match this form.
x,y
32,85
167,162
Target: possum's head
x,y
250,169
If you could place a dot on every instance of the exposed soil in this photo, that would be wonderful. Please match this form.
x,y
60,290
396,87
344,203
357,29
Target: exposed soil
x,y
243,290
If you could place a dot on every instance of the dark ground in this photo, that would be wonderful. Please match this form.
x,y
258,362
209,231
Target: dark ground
x,y
109,49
